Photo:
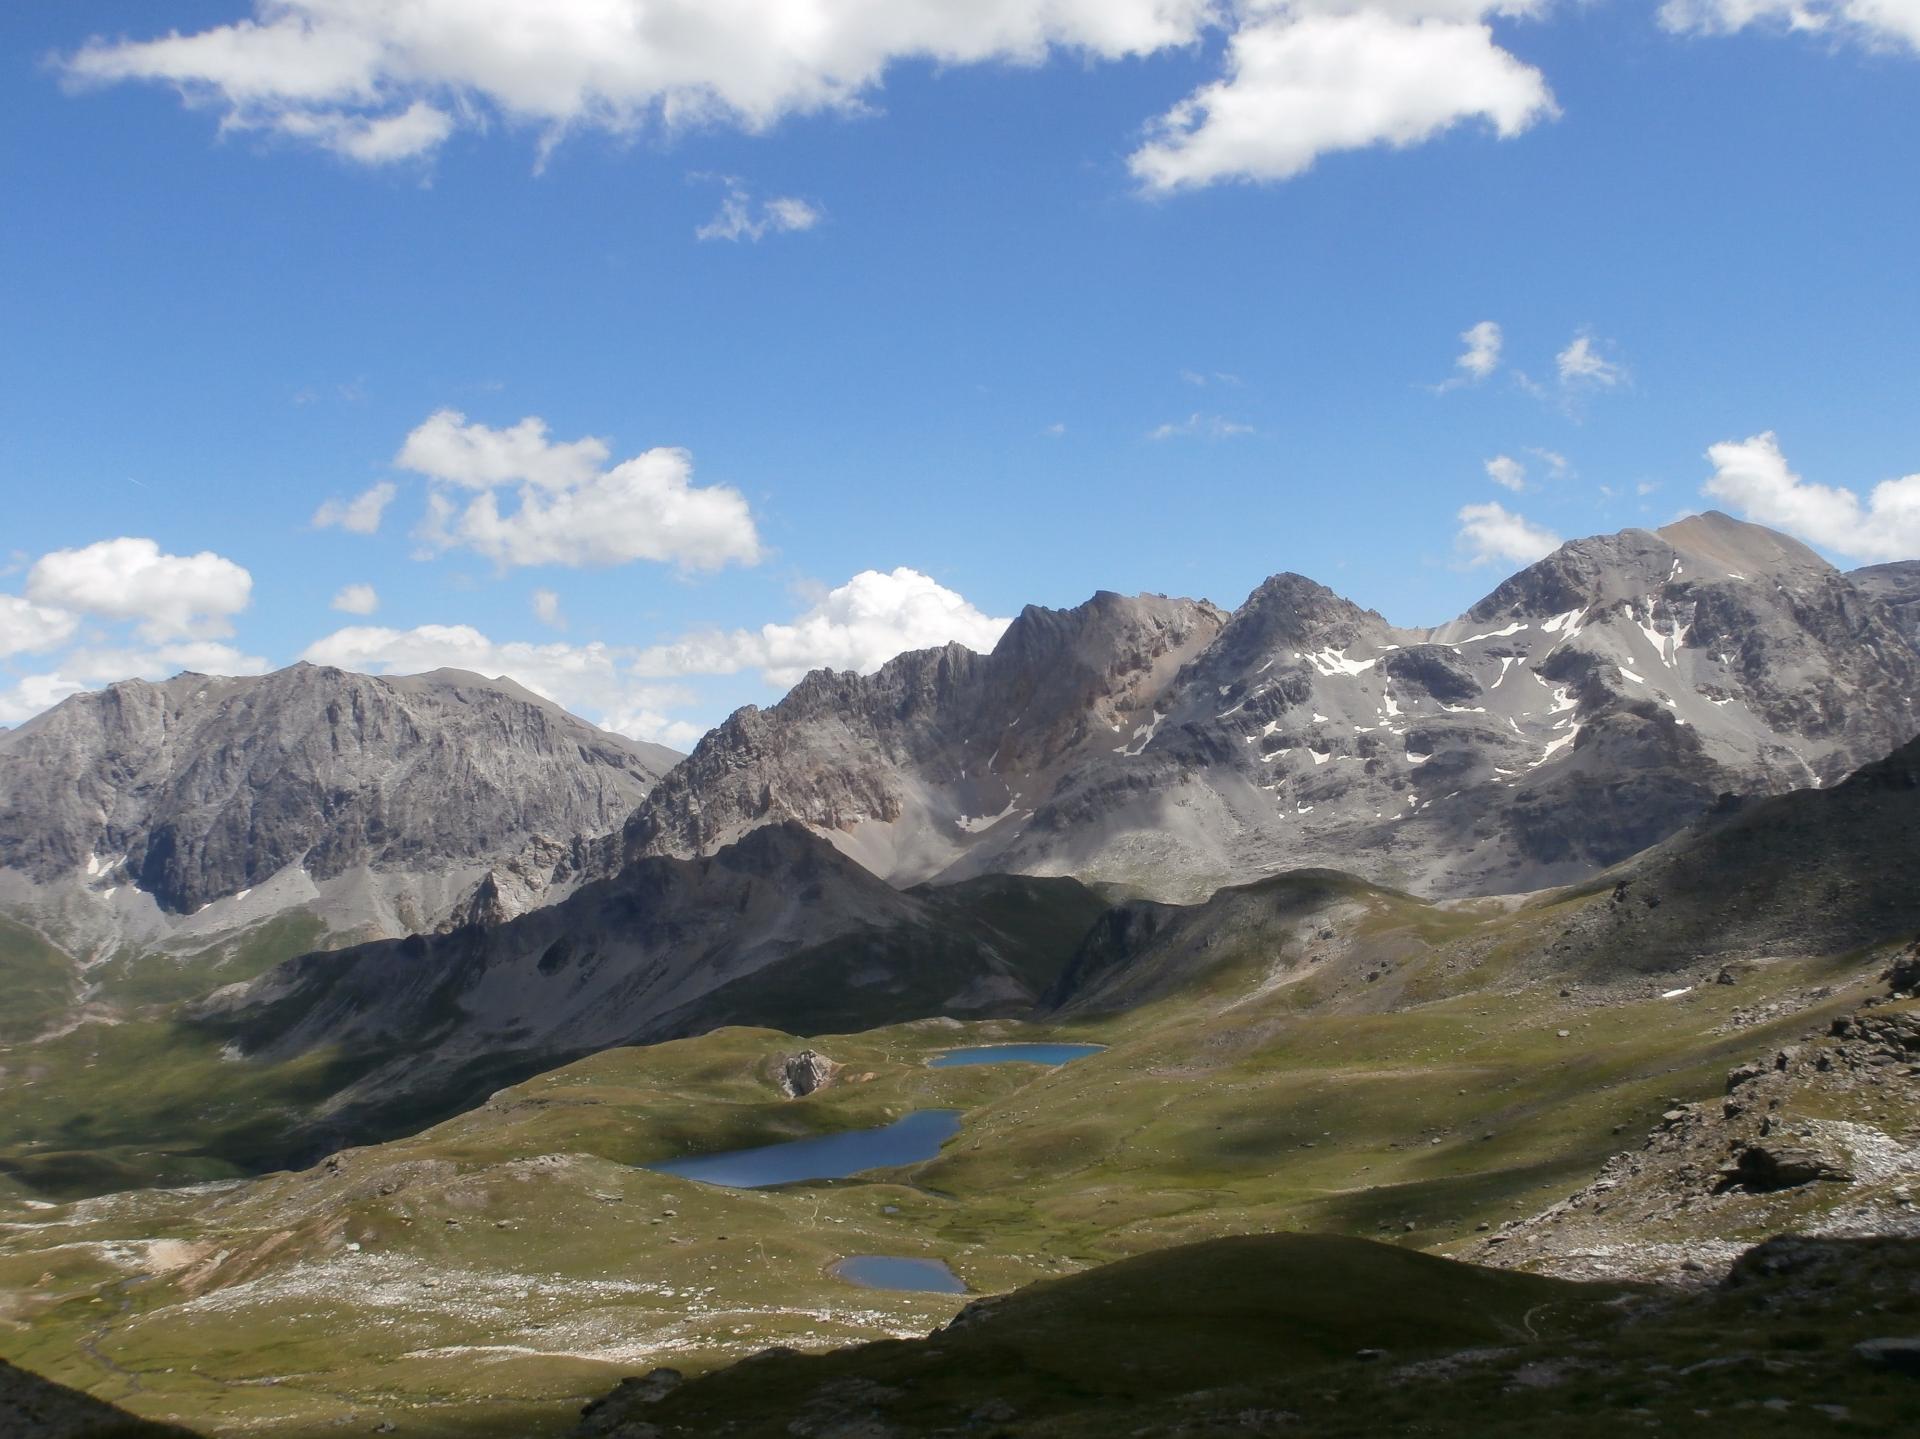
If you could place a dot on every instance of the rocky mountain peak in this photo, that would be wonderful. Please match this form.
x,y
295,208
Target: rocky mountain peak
x,y
1589,706
1717,545
201,788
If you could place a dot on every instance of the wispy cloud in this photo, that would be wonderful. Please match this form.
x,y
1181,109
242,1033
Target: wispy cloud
x,y
741,217
1199,426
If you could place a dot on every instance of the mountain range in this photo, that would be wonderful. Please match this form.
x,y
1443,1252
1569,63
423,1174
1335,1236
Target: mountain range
x,y
1588,707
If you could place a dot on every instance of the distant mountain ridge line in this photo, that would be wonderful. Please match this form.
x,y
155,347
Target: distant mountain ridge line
x,y
1585,708
1636,677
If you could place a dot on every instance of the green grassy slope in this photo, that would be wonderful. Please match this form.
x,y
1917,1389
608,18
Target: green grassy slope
x,y
1308,1335
39,981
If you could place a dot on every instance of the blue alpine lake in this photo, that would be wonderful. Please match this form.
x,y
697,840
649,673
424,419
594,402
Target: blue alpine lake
x,y
831,1156
879,1271
1051,1054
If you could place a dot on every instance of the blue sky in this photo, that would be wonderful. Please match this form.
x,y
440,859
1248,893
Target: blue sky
x,y
997,303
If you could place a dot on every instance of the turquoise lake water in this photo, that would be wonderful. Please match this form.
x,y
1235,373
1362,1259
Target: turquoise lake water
x,y
831,1156
1051,1054
879,1271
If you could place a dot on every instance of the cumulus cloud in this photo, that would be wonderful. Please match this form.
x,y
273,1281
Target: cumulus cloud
x,y
859,626
569,508
1754,478
741,217
172,597
1206,427
27,628
1484,342
390,82
360,515
477,457
1507,472
1307,78
1492,534
1889,24
357,600
380,82
591,680
90,668
1482,354
546,609
1581,364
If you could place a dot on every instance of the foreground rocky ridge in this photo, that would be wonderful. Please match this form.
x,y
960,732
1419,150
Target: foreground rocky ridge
x,y
1589,707
1822,1134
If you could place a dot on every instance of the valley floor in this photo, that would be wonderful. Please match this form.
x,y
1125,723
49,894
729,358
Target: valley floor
x,y
492,1274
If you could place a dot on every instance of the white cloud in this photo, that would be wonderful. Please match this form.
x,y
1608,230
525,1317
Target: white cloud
x,y
27,628
383,80
859,626
172,597
387,139
1482,355
741,218
1507,472
1491,534
1307,78
1209,427
477,457
357,600
546,608
571,511
591,680
1753,477
360,515
91,668
1875,23
1581,364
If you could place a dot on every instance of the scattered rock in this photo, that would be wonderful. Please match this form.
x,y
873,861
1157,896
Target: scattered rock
x,y
1900,1355
1763,1168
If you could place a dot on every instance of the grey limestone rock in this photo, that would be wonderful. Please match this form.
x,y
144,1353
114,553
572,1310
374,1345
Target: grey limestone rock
x,y
1590,706
201,787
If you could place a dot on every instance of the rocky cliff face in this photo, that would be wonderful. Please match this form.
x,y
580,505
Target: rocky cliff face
x,y
1897,586
179,795
1589,707
914,766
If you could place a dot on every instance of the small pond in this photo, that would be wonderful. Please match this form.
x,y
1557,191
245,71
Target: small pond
x,y
1053,1054
830,1156
880,1271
